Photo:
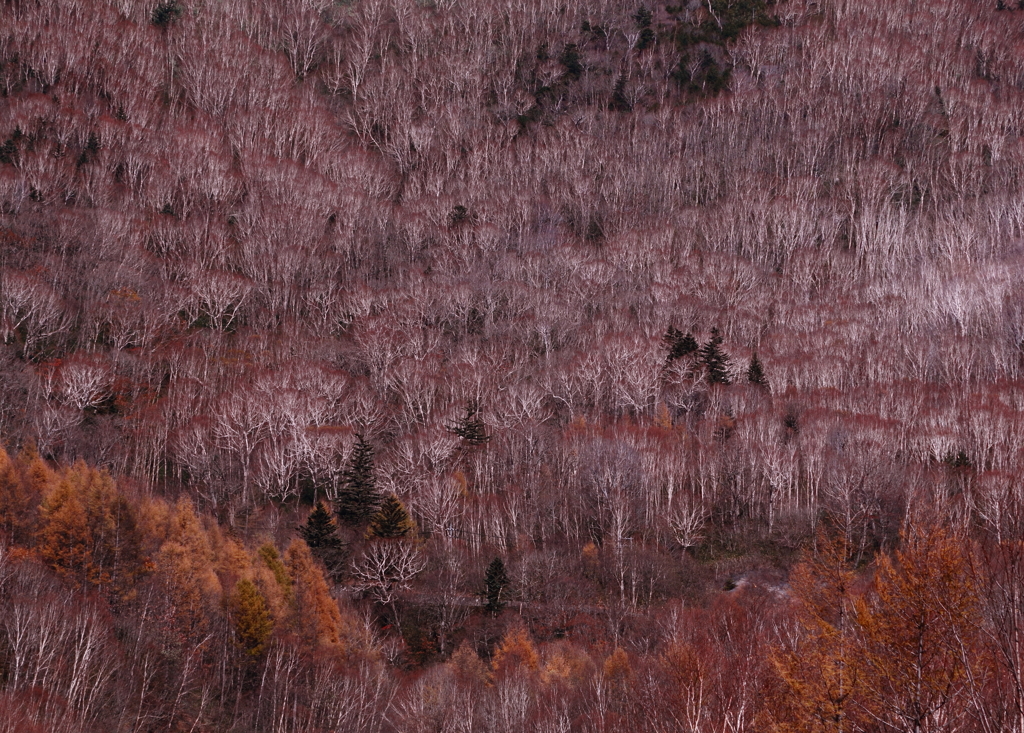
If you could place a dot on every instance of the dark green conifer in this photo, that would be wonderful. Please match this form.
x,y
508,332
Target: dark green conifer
x,y
672,335
619,101
9,150
357,497
686,346
166,13
391,522
678,344
321,535
495,581
755,372
572,61
646,39
960,459
91,150
715,359
320,530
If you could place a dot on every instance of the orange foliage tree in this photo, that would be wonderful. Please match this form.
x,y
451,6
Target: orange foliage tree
x,y
316,617
922,643
907,654
88,531
252,620
819,672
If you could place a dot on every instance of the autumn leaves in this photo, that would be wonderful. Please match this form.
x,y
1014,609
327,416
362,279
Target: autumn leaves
x,y
905,650
155,602
75,521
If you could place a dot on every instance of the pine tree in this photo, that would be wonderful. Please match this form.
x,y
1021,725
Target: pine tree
x,y
755,372
166,13
715,360
619,101
252,620
321,534
679,345
471,428
358,498
572,61
320,529
647,37
495,581
391,521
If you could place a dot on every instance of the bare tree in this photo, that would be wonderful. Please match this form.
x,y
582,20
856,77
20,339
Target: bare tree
x,y
386,569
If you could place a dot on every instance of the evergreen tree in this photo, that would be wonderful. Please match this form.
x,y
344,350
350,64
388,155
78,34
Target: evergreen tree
x,y
619,101
572,61
358,498
755,372
495,581
715,360
392,521
643,18
320,530
471,428
252,619
321,534
166,13
679,345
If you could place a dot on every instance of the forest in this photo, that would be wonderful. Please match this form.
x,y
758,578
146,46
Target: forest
x,y
511,365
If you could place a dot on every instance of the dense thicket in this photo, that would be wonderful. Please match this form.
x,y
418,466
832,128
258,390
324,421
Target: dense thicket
x,y
236,235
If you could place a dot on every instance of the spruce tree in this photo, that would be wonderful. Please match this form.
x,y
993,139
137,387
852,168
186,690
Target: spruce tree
x,y
619,101
320,529
715,360
166,13
678,344
495,581
643,18
357,497
672,335
572,61
391,522
683,346
755,372
321,535
471,427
